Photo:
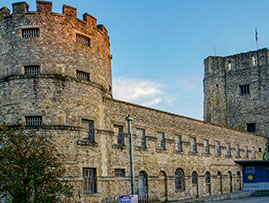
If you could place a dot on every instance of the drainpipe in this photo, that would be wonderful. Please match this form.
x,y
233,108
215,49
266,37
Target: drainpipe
x,y
129,119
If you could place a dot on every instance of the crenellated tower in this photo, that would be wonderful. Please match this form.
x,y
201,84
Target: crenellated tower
x,y
48,57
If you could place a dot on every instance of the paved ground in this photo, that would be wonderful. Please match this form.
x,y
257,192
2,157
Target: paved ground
x,y
246,200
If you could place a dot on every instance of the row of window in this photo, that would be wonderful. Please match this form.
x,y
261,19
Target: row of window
x,y
35,70
88,135
253,61
90,180
27,33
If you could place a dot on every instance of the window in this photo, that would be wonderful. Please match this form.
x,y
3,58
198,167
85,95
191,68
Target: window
x,y
244,89
251,127
83,76
246,151
81,39
206,146
30,33
141,135
161,136
194,144
218,148
119,172
207,178
89,175
253,152
179,144
229,65
253,60
118,130
194,177
228,149
33,120
32,70
179,179
88,130
237,150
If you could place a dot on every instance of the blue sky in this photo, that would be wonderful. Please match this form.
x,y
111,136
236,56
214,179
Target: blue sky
x,y
158,46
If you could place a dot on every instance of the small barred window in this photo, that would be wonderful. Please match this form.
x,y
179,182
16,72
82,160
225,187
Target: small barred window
x,y
32,70
30,33
83,75
33,120
81,39
119,172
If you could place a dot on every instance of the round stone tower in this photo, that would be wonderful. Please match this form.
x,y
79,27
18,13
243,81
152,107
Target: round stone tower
x,y
52,65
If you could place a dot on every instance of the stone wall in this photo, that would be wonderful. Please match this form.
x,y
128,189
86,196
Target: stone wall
x,y
224,104
64,101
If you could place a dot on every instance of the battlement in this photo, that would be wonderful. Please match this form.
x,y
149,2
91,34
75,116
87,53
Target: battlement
x,y
237,61
45,7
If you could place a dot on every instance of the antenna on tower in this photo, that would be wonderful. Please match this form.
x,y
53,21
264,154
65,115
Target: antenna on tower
x,y
256,37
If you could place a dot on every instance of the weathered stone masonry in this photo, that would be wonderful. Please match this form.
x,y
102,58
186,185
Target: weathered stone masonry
x,y
225,79
57,68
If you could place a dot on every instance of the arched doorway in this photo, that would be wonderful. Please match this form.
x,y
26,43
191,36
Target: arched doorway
x,y
220,181
208,183
143,185
231,181
163,186
239,180
195,184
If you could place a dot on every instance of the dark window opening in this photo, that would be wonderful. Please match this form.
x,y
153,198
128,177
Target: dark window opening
x,y
33,120
179,147
260,149
194,178
206,146
244,89
179,179
161,136
119,133
120,172
194,145
141,135
83,75
88,129
218,148
89,175
251,127
30,33
81,39
32,70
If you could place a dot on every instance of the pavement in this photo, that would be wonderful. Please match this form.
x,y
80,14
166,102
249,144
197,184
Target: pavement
x,y
245,200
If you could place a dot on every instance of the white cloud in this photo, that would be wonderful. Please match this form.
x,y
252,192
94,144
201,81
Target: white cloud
x,y
145,92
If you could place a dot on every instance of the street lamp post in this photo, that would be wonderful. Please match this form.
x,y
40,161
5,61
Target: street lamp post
x,y
129,119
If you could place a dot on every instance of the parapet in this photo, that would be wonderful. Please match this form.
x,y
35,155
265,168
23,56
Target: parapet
x,y
251,59
45,7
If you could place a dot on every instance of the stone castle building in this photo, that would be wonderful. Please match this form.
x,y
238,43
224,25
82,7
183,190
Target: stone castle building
x,y
55,77
236,91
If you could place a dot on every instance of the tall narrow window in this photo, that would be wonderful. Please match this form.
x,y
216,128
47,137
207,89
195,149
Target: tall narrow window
x,y
179,179
118,130
229,65
81,39
194,177
253,152
88,130
228,149
141,135
161,136
244,89
30,33
194,144
32,70
206,142
251,127
237,150
89,175
179,143
218,148
83,76
33,120
253,60
246,151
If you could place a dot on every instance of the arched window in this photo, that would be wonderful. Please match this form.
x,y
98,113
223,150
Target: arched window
x,y
220,181
207,177
194,177
179,179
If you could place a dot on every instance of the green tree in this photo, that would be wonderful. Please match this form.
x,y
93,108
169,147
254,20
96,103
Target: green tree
x,y
30,167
